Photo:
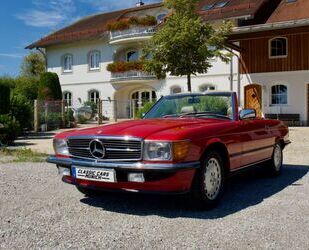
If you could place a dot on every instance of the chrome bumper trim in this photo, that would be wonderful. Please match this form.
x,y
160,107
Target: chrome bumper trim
x,y
123,165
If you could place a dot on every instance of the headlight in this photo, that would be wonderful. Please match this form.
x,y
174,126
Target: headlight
x,y
61,147
166,151
160,151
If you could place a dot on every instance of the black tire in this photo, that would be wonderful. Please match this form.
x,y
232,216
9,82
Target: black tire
x,y
275,165
88,192
201,197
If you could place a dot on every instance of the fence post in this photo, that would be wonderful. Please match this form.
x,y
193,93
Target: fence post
x,y
63,104
36,116
115,110
100,108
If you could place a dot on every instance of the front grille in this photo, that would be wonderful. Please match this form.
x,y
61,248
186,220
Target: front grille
x,y
116,148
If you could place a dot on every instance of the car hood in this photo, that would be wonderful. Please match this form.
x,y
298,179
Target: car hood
x,y
149,128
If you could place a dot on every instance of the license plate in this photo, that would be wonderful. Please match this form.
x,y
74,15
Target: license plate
x,y
94,174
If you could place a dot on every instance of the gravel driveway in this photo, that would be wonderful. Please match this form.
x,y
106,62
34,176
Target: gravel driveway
x,y
38,211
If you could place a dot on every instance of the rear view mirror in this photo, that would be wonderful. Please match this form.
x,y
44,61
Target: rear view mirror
x,y
247,114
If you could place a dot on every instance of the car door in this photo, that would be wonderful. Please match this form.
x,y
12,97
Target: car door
x,y
257,141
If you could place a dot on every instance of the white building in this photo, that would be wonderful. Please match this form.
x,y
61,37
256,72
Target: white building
x,y
80,53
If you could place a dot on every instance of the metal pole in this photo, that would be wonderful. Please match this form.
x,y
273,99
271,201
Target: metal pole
x,y
100,120
115,110
231,74
36,116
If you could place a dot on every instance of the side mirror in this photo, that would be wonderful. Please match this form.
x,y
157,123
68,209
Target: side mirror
x,y
247,114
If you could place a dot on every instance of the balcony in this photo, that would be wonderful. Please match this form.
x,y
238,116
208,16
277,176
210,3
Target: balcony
x,y
134,34
132,75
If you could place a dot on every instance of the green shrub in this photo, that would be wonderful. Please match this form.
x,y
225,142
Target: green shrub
x,y
93,106
69,118
10,130
27,87
4,98
147,106
22,110
49,87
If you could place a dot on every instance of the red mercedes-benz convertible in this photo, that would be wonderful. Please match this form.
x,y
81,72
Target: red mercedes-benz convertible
x,y
187,143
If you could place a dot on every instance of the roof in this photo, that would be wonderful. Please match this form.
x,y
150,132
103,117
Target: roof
x,y
287,11
233,8
91,27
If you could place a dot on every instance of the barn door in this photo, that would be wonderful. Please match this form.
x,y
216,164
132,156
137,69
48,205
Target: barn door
x,y
253,98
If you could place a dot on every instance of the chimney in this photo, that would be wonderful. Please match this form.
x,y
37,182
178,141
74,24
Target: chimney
x,y
140,3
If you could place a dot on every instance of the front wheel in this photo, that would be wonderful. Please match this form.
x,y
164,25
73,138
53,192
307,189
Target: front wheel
x,y
276,162
208,184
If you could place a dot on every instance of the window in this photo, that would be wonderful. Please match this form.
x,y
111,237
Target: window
x,y
67,97
132,56
279,95
67,63
221,4
94,96
160,17
206,87
176,90
94,60
278,47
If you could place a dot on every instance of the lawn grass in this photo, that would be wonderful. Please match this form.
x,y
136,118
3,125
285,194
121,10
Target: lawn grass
x,y
21,155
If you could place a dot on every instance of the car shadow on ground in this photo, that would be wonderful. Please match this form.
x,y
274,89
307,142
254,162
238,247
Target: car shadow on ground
x,y
242,191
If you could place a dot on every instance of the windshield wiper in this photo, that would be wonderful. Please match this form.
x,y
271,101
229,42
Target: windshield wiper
x,y
205,113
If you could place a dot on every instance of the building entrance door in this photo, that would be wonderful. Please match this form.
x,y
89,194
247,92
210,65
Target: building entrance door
x,y
253,98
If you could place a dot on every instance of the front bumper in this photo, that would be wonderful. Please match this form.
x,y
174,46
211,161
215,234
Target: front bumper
x,y
166,178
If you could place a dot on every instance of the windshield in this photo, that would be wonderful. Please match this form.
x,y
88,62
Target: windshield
x,y
216,105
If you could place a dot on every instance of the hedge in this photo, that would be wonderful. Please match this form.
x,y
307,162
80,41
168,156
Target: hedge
x,y
5,93
49,87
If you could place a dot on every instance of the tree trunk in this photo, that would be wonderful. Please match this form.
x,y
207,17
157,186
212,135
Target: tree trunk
x,y
189,82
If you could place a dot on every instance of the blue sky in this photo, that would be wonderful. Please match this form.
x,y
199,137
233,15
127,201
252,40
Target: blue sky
x,y
25,21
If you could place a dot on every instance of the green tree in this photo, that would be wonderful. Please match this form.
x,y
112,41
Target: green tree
x,y
27,86
185,44
49,87
33,65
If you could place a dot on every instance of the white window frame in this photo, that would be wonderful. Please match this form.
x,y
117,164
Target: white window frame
x,y
96,56
96,98
70,69
175,87
271,95
207,86
270,48
70,102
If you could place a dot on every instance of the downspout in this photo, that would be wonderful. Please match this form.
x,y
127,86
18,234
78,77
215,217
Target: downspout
x,y
44,55
231,74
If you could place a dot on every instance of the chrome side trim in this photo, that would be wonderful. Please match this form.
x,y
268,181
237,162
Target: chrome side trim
x,y
250,165
123,165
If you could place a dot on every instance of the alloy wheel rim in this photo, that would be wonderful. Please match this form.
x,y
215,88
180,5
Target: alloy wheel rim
x,y
277,157
212,178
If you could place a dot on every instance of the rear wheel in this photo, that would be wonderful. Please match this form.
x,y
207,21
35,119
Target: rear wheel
x,y
88,192
276,162
209,181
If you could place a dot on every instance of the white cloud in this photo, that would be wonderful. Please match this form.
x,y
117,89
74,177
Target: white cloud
x,y
110,5
48,13
11,55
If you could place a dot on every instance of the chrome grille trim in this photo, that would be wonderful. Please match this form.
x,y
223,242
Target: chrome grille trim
x,y
118,148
